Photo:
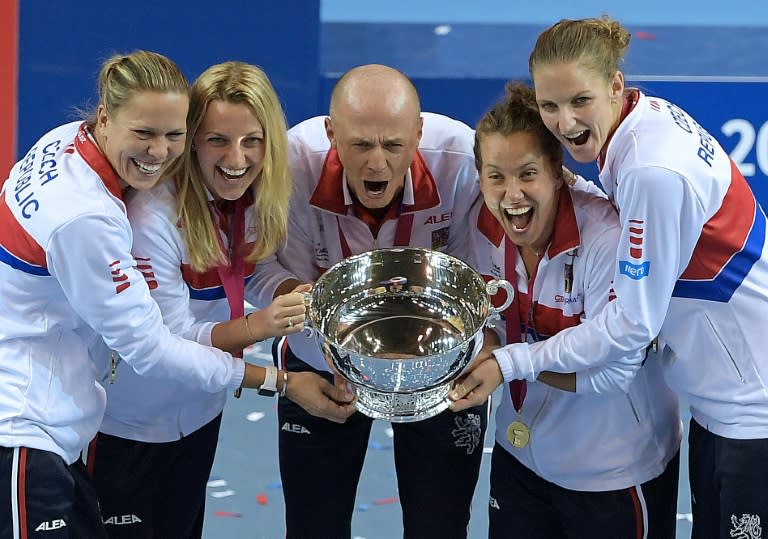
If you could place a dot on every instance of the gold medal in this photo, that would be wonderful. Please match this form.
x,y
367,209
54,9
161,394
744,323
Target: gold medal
x,y
518,434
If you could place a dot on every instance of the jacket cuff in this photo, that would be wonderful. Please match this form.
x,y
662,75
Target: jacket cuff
x,y
238,373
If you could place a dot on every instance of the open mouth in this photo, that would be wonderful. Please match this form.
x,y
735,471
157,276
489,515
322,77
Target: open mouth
x,y
373,188
519,218
232,174
577,139
147,168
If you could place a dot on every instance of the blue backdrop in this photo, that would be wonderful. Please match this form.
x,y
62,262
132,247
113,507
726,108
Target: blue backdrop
x,y
62,45
715,72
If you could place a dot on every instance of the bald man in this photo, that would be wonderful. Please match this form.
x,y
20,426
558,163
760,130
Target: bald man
x,y
374,173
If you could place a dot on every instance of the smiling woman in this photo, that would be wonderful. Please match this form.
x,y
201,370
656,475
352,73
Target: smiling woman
x,y
74,299
199,237
621,477
680,272
143,138
230,149
140,133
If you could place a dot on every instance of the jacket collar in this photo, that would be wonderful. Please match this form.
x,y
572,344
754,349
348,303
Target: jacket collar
x,y
95,159
332,192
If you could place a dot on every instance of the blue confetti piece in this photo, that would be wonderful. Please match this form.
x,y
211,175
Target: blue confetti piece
x,y
363,507
275,486
373,444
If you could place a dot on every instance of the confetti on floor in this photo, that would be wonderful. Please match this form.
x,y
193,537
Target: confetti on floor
x,y
216,483
275,486
261,499
363,507
230,514
373,444
385,501
223,493
254,416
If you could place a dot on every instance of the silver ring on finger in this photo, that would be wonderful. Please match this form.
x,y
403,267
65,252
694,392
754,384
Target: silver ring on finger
x,y
290,322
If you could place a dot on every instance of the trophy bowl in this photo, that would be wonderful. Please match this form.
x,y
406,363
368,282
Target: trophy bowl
x,y
400,325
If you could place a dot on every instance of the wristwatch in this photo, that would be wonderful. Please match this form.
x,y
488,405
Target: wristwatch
x,y
269,387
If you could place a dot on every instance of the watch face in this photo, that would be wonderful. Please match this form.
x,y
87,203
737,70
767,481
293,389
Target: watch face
x,y
266,392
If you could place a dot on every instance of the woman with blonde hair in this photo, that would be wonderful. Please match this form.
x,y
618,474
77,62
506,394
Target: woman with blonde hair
x,y
690,267
68,281
198,239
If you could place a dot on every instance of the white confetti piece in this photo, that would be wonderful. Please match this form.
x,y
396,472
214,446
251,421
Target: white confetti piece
x,y
223,493
389,432
216,483
254,416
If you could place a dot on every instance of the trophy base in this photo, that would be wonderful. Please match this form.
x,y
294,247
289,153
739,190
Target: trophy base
x,y
403,407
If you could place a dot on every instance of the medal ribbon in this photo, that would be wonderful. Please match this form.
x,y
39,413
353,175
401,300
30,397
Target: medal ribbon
x,y
232,275
517,388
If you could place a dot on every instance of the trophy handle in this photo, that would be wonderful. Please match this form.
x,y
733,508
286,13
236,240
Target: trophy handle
x,y
308,330
492,288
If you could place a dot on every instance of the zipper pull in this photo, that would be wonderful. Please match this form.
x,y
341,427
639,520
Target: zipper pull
x,y
568,278
568,271
112,367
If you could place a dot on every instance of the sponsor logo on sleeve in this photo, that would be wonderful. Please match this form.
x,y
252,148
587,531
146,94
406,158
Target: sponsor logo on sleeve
x,y
635,269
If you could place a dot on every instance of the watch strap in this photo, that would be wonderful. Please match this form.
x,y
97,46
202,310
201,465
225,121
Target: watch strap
x,y
269,387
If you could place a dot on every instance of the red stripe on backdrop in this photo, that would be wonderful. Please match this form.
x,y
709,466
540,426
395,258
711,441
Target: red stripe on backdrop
x,y
9,44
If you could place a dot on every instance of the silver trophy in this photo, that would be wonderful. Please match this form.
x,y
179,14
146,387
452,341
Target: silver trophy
x,y
400,325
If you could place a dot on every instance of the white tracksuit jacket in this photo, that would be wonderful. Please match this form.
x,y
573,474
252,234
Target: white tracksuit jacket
x,y
439,190
692,266
146,408
66,277
622,426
